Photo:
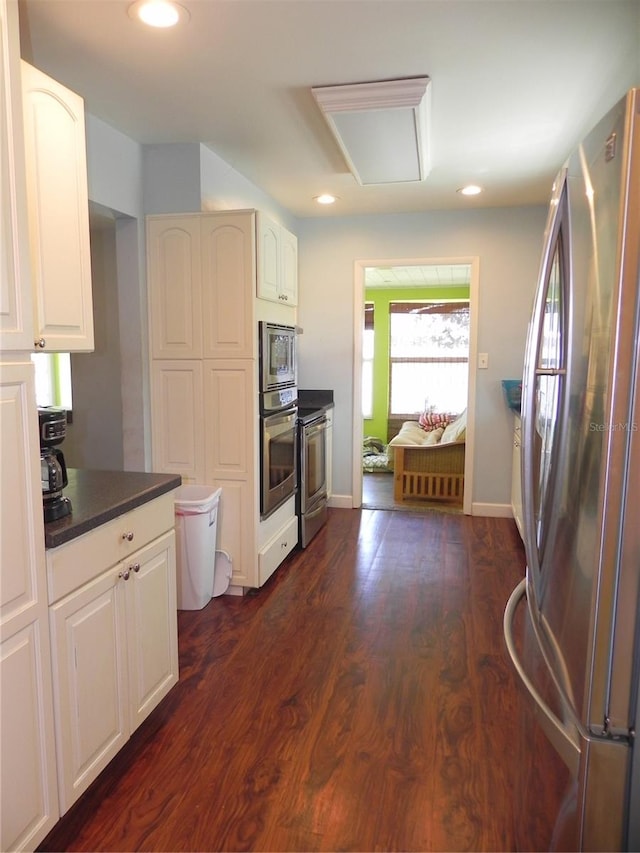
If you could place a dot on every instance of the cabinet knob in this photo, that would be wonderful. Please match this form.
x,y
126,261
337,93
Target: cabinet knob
x,y
136,567
40,343
128,536
124,575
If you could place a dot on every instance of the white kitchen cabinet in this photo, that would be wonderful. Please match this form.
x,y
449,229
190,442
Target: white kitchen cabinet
x,y
205,410
210,315
277,260
28,777
329,454
177,424
274,552
228,270
230,399
58,213
113,635
173,254
516,477
16,311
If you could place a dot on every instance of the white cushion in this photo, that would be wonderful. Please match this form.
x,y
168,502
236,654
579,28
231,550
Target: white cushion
x,y
433,437
456,431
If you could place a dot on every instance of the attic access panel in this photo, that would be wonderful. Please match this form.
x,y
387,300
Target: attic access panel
x,y
381,128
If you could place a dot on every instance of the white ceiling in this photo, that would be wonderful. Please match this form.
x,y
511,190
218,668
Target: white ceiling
x,y
515,84
418,275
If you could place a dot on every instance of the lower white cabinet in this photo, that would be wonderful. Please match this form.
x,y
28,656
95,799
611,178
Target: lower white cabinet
x,y
274,552
28,791
115,652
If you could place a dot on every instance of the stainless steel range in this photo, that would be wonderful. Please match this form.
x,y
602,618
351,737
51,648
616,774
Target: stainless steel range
x,y
311,500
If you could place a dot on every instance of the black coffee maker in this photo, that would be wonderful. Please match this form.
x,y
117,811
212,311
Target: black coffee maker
x,y
53,471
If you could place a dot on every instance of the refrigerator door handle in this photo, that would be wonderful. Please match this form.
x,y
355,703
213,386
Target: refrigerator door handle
x,y
568,748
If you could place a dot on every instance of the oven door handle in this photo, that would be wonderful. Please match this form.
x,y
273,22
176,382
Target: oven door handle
x,y
315,427
279,419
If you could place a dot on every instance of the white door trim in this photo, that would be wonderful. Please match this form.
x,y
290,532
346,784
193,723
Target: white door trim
x,y
358,308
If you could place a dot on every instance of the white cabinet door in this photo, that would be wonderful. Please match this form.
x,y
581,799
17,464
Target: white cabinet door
x,y
268,257
115,656
58,213
228,276
289,267
175,286
88,633
27,758
230,394
152,632
277,262
16,312
177,425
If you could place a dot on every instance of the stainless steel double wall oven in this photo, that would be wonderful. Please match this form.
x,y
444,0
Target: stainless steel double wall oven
x,y
278,415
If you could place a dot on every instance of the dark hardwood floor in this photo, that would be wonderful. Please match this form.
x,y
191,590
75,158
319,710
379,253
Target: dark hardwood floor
x,y
361,700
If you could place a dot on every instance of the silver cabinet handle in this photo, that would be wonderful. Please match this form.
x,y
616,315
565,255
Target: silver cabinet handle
x,y
136,567
128,536
40,343
124,575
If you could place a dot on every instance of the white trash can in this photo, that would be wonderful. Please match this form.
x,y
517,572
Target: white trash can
x,y
196,509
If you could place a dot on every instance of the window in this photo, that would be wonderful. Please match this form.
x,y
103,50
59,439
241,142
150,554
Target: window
x,y
53,379
428,357
367,361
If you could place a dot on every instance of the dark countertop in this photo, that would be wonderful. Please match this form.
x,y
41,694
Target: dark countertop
x,y
99,496
311,403
314,399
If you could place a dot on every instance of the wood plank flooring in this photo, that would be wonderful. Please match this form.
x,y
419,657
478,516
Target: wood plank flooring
x,y
361,700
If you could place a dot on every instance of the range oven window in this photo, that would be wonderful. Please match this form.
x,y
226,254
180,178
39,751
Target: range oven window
x,y
313,451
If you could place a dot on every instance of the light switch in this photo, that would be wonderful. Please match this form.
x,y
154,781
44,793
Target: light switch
x,y
483,360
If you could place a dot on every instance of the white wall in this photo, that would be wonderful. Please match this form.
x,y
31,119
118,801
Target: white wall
x,y
95,438
115,177
508,245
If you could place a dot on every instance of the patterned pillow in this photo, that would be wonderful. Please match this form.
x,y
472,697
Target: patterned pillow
x,y
431,420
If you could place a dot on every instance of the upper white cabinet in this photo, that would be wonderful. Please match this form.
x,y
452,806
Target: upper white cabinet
x,y
58,214
201,275
28,781
173,251
16,313
277,258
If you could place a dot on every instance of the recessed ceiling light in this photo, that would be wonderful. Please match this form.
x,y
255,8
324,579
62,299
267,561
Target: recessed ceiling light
x,y
158,13
325,198
471,189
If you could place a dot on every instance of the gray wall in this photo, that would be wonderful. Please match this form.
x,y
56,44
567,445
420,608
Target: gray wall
x,y
508,244
115,176
95,438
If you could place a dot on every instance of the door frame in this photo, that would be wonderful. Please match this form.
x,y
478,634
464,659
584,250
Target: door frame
x,y
358,309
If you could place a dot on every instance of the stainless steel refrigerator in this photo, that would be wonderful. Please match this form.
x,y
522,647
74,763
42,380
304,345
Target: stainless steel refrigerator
x,y
572,626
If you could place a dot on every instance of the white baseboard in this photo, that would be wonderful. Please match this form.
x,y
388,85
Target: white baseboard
x,y
480,509
341,501
492,510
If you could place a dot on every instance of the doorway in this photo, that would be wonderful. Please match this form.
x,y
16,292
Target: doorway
x,y
420,277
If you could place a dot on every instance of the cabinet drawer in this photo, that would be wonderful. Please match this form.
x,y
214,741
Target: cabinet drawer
x,y
276,550
79,561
